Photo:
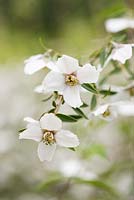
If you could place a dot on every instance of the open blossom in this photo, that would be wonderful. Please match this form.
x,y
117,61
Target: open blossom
x,y
118,24
49,133
111,111
120,52
36,63
67,77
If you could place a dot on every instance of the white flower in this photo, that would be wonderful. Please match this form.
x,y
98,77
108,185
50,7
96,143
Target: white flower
x,y
75,168
111,111
37,62
118,24
106,112
67,78
120,52
49,133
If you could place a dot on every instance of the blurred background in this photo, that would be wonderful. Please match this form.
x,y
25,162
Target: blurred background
x,y
103,165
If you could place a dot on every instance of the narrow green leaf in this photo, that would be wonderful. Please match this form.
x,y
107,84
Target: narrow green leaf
x,y
49,183
66,118
90,87
76,116
44,100
72,148
54,104
84,105
80,112
93,102
98,184
21,130
107,92
102,57
52,110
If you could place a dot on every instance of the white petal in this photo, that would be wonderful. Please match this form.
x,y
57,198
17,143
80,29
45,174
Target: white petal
x,y
32,58
54,81
39,89
66,139
33,132
122,52
67,64
71,96
50,122
88,74
125,108
34,64
46,152
30,120
116,25
131,23
42,89
100,110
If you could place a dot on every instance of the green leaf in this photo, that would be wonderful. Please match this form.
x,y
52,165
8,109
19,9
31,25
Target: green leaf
x,y
98,184
93,102
72,148
44,100
102,57
67,118
52,181
120,37
107,92
21,130
90,87
80,112
52,110
76,116
54,104
84,105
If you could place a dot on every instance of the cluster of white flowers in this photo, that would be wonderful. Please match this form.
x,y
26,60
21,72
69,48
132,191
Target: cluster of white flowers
x,y
65,79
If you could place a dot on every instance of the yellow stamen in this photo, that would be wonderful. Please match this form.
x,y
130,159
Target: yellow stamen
x,y
71,80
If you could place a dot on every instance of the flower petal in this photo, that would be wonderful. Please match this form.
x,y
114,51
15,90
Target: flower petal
x,y
66,138
30,120
88,74
71,96
46,152
67,64
122,52
54,81
33,132
34,64
50,122
100,110
124,108
116,25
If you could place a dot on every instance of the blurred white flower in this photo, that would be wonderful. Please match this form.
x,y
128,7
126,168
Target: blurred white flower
x,y
49,133
115,25
120,52
105,111
67,77
75,168
37,62
111,111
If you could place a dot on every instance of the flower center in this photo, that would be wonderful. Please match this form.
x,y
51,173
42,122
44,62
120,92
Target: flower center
x,y
71,80
106,113
48,137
